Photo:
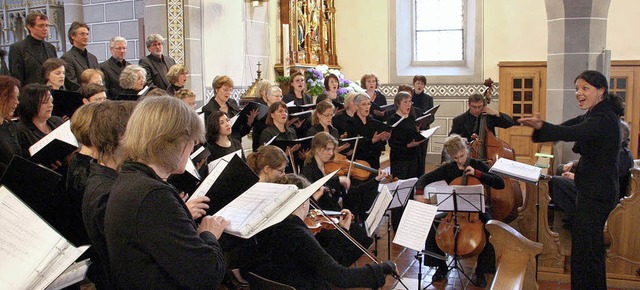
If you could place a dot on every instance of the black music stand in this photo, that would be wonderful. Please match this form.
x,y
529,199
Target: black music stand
x,y
457,199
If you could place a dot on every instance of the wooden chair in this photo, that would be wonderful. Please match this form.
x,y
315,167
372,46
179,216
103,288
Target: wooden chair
x,y
258,282
623,256
515,257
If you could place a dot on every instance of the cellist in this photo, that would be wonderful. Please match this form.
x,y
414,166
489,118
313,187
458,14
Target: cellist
x,y
458,151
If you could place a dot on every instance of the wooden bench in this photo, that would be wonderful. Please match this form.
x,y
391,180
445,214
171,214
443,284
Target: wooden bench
x,y
623,255
515,257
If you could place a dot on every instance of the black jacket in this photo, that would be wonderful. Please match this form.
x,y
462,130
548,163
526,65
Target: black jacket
x,y
112,70
26,58
157,70
76,62
152,239
465,123
597,139
9,144
297,259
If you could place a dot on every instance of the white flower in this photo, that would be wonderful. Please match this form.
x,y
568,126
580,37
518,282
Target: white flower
x,y
323,68
336,72
356,88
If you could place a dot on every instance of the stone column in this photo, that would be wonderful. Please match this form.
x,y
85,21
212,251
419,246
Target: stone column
x,y
193,48
576,42
155,21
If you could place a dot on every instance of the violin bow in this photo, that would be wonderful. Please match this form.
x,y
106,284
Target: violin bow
x,y
353,156
364,250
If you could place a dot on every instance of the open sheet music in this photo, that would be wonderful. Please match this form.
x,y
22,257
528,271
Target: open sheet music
x,y
517,170
73,274
377,211
54,146
265,204
428,133
33,253
415,225
400,191
470,198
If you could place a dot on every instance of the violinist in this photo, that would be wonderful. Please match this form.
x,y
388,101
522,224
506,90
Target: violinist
x,y
296,258
456,148
362,124
467,124
322,152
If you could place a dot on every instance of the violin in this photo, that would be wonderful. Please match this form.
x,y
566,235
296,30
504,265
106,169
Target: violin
x,y
360,169
317,222
471,237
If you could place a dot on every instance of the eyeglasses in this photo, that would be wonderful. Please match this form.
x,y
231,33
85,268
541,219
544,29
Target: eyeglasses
x,y
328,115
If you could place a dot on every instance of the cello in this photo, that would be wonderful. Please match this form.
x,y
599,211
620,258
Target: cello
x,y
471,237
504,202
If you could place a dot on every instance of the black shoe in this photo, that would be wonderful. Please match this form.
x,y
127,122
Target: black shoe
x,y
481,281
440,274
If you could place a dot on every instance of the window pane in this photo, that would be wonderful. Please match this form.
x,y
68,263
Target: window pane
x,y
528,96
516,109
439,30
528,83
517,96
621,83
528,109
517,83
439,46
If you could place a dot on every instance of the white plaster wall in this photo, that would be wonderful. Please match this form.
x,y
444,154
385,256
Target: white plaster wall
x,y
622,30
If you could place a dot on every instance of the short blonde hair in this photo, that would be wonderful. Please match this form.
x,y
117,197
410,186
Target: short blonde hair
x,y
175,71
86,75
157,130
262,87
185,93
81,123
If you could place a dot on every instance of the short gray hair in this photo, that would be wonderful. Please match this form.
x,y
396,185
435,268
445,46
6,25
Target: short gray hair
x,y
359,98
154,38
129,76
112,42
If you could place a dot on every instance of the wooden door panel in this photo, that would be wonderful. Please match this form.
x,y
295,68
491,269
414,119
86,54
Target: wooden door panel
x,y
522,94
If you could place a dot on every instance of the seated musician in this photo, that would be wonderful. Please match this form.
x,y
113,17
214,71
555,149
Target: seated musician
x,y
295,258
459,153
322,151
467,124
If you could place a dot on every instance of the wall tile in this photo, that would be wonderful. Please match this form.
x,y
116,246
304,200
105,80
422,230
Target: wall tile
x,y
119,11
104,32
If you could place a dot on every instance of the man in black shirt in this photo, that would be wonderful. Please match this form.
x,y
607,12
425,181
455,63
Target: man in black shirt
x,y
467,124
113,66
77,58
27,56
156,64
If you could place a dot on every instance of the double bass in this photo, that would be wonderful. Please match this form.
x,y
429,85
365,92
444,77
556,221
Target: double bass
x,y
487,147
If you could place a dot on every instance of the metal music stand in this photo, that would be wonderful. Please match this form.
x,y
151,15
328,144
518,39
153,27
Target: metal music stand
x,y
454,201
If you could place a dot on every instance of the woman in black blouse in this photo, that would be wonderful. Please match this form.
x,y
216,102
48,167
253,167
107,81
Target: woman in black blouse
x,y
36,121
9,145
271,94
331,85
296,258
297,94
404,147
321,120
341,118
369,82
219,141
277,124
222,89
161,245
372,144
459,153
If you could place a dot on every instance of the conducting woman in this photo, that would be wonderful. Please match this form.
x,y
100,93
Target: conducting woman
x,y
597,139
161,246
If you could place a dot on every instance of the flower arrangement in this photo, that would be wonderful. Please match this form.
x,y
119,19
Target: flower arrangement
x,y
315,81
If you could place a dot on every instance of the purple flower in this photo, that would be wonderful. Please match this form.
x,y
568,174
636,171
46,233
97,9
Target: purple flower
x,y
342,91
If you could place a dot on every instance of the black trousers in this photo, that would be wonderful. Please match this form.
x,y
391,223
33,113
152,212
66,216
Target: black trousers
x,y
563,192
588,270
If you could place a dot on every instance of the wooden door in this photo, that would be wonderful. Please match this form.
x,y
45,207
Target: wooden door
x,y
522,93
623,81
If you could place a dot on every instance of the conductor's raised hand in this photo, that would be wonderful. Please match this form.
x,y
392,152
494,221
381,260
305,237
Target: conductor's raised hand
x,y
534,122
213,224
198,206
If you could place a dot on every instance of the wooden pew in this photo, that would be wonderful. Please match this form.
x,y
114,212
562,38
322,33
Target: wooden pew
x,y
623,255
533,223
515,257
